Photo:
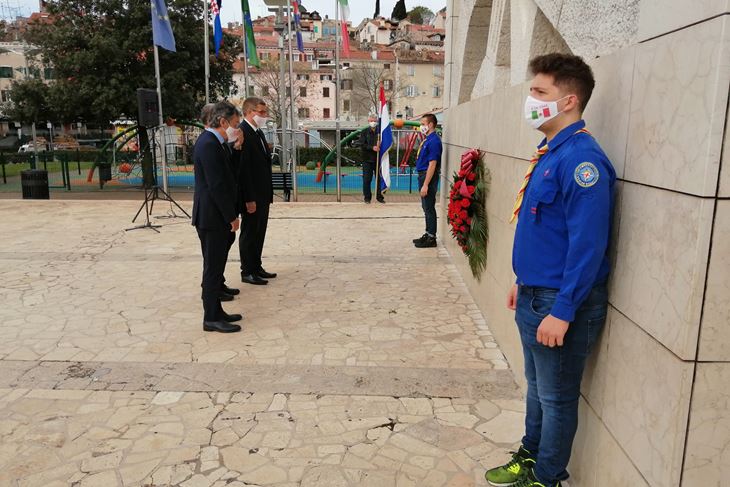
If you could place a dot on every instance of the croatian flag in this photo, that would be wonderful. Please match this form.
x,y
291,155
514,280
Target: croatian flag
x,y
215,8
386,142
298,24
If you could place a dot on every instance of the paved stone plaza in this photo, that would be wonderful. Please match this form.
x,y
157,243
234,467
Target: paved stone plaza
x,y
365,363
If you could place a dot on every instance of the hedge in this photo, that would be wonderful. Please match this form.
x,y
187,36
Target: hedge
x,y
317,154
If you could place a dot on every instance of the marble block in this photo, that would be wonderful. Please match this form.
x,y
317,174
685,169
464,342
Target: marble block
x,y
661,261
678,109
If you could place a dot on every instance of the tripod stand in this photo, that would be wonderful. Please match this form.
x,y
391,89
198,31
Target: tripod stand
x,y
152,192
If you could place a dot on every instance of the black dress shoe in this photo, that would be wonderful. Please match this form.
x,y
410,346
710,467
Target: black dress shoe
x,y
223,316
266,275
225,297
427,243
253,279
421,239
230,290
220,326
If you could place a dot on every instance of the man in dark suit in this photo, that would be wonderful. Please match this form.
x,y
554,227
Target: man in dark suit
x,y
370,147
235,138
214,212
256,192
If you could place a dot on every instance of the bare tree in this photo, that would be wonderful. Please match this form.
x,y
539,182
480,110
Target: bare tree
x,y
267,79
366,79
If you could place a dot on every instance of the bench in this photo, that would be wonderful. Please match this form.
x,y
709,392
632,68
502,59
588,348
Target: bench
x,y
282,181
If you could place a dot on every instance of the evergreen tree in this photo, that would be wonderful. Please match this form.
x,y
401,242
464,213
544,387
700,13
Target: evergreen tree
x,y
399,11
101,52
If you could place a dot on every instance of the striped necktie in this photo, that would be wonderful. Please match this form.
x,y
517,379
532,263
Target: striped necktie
x,y
533,162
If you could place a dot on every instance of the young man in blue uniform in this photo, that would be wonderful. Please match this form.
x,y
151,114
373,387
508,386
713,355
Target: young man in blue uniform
x,y
560,257
428,165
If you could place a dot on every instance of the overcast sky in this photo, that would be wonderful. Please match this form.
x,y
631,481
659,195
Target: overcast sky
x,y
231,10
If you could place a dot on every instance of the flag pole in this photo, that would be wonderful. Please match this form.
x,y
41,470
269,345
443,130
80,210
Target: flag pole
x,y
337,101
206,36
160,120
245,58
293,138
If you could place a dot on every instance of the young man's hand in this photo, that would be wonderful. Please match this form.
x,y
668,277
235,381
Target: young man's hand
x,y
512,298
424,191
551,331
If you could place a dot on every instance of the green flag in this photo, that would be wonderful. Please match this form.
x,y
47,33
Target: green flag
x,y
253,57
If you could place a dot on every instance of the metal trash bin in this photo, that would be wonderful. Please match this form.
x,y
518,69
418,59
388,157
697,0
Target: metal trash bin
x,y
35,184
105,171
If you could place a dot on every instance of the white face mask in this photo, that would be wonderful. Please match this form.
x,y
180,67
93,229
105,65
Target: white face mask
x,y
423,129
260,121
373,124
537,112
231,134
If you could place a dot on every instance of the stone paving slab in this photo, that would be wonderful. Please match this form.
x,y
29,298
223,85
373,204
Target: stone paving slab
x,y
112,376
86,438
365,363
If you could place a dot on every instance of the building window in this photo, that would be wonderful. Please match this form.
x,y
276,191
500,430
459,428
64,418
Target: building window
x,y
325,77
265,55
303,113
438,70
326,112
388,84
303,77
303,91
411,70
6,72
310,57
386,66
316,30
48,73
346,105
326,92
264,91
347,84
5,96
372,39
288,91
411,91
436,91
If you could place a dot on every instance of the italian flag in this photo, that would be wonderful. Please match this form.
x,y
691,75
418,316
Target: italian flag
x,y
345,8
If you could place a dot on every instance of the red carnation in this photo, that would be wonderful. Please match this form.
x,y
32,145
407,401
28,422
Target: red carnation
x,y
471,177
465,203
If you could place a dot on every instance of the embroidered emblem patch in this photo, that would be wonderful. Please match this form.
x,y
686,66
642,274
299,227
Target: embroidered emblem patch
x,y
586,174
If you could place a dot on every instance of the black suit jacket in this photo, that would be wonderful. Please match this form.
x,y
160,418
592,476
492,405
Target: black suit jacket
x,y
254,168
369,139
214,203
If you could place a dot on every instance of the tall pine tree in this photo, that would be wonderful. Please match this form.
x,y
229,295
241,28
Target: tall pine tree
x,y
399,11
377,9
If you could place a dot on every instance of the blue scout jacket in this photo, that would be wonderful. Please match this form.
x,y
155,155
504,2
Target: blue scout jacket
x,y
564,224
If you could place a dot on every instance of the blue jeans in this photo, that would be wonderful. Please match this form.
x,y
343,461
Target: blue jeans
x,y
554,375
428,203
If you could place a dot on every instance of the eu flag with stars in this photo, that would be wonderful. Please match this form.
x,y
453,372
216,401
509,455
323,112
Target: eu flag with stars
x,y
161,29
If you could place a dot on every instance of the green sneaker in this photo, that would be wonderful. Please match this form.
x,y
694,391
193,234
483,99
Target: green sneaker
x,y
512,472
529,480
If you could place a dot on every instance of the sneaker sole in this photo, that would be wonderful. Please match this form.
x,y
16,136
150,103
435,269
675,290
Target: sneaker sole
x,y
501,485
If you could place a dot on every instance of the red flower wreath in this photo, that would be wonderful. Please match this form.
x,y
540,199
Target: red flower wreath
x,y
466,212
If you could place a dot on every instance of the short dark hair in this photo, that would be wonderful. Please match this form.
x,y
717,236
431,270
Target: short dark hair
x,y
568,71
250,104
222,109
431,119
